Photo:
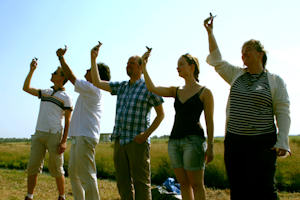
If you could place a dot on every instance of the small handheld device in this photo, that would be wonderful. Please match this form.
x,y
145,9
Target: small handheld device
x,y
148,48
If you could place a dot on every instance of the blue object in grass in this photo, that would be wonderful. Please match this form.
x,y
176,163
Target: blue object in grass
x,y
171,186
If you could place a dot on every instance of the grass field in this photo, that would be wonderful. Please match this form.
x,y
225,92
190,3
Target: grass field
x,y
14,156
13,187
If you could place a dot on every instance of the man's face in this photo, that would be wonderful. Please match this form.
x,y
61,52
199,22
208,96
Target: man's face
x,y
58,75
133,67
88,75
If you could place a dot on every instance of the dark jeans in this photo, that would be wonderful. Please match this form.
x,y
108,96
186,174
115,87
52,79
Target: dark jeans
x,y
250,165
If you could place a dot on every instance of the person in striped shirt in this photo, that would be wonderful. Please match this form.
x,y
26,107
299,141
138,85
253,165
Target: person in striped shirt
x,y
252,140
50,135
132,128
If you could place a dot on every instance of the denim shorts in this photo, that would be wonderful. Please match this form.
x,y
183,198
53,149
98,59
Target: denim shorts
x,y
188,152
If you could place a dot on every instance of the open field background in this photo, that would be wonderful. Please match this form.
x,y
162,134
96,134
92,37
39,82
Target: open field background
x,y
14,157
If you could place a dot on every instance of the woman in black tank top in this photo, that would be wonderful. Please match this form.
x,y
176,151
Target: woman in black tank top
x,y
187,148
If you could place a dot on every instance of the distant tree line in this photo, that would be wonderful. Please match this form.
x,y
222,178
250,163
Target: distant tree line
x,y
160,137
4,140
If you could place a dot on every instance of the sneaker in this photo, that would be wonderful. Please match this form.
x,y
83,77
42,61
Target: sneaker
x,y
27,198
60,198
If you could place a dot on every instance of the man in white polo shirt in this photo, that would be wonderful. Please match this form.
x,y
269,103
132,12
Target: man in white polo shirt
x,y
55,105
84,131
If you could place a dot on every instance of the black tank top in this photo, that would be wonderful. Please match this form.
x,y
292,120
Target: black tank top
x,y
187,117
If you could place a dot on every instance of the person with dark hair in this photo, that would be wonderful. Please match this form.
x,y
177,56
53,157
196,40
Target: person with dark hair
x,y
187,147
84,131
104,71
132,130
252,140
50,135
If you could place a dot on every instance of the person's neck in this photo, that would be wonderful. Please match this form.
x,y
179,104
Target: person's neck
x,y
254,69
189,83
57,87
134,79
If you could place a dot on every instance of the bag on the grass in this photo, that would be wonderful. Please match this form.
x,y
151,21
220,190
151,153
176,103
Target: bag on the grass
x,y
169,191
161,193
172,186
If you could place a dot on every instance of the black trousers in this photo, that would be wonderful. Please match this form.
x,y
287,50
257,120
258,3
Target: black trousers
x,y
250,165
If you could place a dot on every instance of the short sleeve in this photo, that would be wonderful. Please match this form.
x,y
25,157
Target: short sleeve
x,y
68,103
155,100
114,87
86,88
43,92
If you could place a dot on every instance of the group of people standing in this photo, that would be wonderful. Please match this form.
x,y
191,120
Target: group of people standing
x,y
252,140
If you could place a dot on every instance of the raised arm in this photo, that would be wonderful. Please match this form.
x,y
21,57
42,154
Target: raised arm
x,y
208,102
104,85
161,91
26,87
68,72
208,24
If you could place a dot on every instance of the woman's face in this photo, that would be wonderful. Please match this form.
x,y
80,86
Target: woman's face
x,y
251,56
183,67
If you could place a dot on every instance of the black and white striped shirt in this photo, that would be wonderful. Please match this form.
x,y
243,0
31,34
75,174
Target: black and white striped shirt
x,y
251,110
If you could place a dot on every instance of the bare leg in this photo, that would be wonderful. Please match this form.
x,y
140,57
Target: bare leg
x,y
196,179
31,183
60,182
185,186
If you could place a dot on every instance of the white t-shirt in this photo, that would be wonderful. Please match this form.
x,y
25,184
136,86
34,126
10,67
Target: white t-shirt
x,y
86,116
52,110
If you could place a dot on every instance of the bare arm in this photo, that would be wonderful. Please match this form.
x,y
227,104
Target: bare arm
x,y
208,102
26,87
208,24
142,137
104,85
68,72
63,143
161,91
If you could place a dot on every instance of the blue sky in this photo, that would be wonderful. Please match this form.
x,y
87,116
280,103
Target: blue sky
x,y
171,27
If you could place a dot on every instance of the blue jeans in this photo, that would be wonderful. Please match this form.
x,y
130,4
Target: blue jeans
x,y
187,153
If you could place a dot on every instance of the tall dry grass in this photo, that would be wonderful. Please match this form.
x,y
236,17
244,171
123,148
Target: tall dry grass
x,y
15,156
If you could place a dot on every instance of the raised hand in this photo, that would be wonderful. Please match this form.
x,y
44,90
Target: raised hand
x,y
33,64
95,50
208,23
146,55
61,52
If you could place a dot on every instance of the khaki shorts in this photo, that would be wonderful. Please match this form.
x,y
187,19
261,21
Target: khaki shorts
x,y
40,143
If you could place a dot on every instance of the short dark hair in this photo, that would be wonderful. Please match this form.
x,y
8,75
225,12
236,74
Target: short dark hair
x,y
104,71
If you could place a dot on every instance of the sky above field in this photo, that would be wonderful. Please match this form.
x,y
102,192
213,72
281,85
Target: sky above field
x,y
171,27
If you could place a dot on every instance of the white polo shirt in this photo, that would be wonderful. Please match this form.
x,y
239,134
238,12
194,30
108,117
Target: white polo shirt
x,y
52,110
86,116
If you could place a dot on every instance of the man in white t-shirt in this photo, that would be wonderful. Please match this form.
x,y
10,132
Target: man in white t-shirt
x,y
55,105
84,131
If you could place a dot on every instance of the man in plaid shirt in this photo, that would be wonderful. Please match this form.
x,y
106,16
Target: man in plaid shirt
x,y
132,128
